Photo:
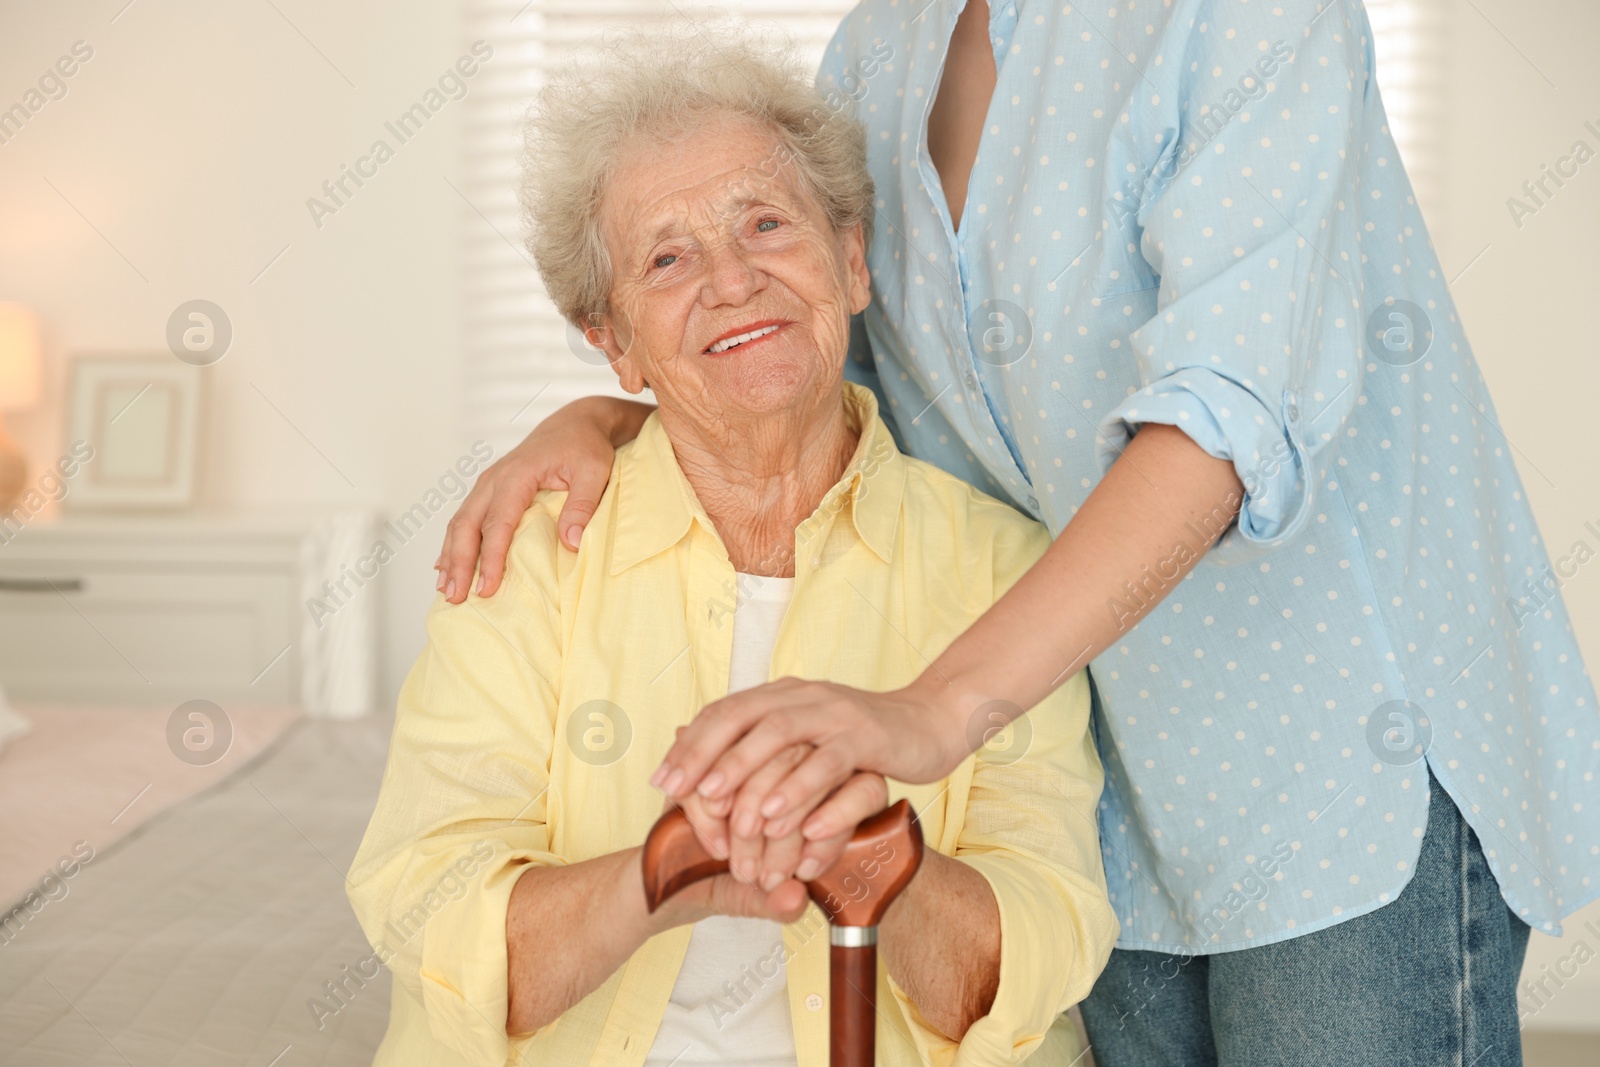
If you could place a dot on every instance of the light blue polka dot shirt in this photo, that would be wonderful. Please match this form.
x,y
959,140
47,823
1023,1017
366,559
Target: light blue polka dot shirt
x,y
1192,212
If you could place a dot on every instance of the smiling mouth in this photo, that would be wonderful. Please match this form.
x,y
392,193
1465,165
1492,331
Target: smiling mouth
x,y
744,338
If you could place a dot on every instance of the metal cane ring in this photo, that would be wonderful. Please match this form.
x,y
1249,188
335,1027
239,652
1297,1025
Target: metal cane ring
x,y
852,936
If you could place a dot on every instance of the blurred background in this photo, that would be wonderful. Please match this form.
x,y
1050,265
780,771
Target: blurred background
x,y
265,314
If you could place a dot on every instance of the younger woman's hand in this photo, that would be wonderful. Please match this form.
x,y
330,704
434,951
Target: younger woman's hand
x,y
571,450
761,854
905,734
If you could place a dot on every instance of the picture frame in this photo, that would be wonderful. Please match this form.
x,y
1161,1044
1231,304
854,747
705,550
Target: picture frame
x,y
141,415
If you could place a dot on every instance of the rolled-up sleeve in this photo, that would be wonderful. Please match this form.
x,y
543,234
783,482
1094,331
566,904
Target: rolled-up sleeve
x,y
1030,831
1247,218
461,813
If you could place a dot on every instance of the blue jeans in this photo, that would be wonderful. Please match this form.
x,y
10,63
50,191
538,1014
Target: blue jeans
x,y
1428,979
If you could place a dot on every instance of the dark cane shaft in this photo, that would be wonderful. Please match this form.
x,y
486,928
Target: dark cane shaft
x,y
852,1005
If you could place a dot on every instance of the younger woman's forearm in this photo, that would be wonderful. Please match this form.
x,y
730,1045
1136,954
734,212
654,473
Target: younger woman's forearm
x,y
621,419
557,950
1144,525
941,943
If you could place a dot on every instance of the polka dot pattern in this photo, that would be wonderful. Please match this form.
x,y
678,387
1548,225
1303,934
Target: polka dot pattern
x,y
1192,212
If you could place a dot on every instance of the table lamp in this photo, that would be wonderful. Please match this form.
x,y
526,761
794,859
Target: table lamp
x,y
19,391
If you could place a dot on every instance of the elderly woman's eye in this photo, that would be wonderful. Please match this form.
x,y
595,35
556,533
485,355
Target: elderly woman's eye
x,y
665,260
767,225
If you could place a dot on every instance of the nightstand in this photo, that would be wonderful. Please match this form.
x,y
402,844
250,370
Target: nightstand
x,y
230,608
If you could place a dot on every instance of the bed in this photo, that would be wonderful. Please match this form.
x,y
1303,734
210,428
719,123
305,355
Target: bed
x,y
205,935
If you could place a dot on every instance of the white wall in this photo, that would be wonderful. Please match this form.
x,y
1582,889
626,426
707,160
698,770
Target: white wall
x,y
190,142
1528,304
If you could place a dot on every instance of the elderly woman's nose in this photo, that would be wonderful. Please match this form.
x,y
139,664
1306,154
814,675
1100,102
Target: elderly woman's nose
x,y
731,277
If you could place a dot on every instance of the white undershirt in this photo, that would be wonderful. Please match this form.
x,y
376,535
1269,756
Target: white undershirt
x,y
730,1004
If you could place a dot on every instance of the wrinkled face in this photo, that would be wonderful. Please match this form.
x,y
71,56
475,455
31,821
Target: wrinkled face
x,y
732,292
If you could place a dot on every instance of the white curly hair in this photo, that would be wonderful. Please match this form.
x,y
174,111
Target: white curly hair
x,y
664,83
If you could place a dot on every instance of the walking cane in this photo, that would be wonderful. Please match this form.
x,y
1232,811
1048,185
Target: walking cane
x,y
877,864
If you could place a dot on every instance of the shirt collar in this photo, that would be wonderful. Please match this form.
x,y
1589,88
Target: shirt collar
x,y
656,504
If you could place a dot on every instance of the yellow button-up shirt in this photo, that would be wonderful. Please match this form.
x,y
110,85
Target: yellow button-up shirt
x,y
527,730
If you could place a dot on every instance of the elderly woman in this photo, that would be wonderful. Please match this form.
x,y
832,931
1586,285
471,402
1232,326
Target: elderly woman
x,y
705,220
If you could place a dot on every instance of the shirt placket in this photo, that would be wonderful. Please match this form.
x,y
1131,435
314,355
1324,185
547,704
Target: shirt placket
x,y
712,596
978,412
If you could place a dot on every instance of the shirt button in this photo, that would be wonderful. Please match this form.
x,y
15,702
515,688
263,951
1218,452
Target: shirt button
x,y
1033,502
1294,411
813,1003
972,381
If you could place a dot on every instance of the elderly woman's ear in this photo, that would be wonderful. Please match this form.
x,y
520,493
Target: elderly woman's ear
x,y
860,287
601,335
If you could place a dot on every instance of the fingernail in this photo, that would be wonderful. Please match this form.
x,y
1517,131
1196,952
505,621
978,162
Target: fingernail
x,y
719,846
440,583
807,870
659,775
710,783
674,780
745,824
815,831
770,880
773,806
571,536
480,585
450,589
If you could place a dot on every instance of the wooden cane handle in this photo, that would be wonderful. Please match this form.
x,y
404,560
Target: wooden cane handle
x,y
674,858
879,860
877,864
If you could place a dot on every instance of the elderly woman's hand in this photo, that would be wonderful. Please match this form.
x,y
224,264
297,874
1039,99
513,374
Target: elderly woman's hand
x,y
740,892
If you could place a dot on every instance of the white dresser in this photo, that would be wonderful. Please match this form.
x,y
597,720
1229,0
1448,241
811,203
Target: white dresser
x,y
167,609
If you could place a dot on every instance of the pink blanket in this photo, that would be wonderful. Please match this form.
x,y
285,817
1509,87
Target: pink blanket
x,y
86,776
